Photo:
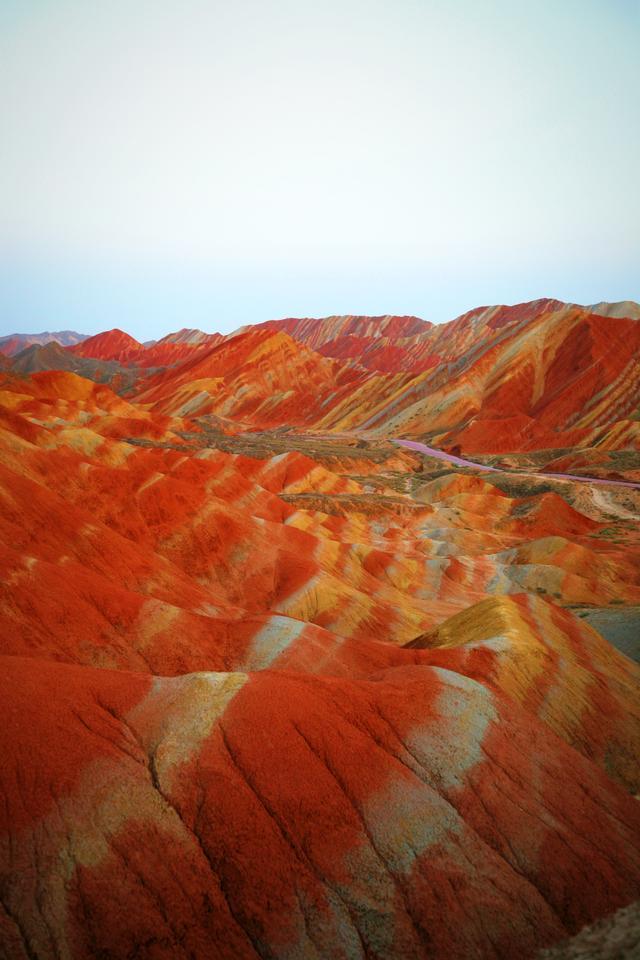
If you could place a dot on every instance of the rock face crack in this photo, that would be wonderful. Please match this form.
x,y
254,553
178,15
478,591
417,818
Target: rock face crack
x,y
149,759
604,852
325,761
256,948
25,944
297,850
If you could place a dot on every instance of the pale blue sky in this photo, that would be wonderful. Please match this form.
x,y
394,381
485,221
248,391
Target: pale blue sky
x,y
198,163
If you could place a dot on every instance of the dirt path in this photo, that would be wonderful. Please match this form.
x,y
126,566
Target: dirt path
x,y
462,462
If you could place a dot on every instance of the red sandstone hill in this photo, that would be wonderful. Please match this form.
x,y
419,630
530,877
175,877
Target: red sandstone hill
x,y
52,356
378,343
514,379
111,345
541,375
260,376
498,379
318,332
212,662
169,351
189,335
271,686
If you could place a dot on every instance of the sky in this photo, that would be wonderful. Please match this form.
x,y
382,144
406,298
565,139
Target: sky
x,y
201,163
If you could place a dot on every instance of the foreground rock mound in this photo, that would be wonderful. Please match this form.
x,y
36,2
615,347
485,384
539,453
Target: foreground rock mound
x,y
414,814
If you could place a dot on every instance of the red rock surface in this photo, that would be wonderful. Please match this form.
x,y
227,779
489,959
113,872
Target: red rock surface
x,y
276,692
111,345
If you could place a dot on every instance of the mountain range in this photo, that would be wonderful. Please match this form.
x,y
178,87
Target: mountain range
x,y
15,342
541,375
319,638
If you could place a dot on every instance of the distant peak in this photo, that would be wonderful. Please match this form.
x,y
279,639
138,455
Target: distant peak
x,y
110,345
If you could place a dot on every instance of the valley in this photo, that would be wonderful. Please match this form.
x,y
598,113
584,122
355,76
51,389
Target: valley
x,y
320,639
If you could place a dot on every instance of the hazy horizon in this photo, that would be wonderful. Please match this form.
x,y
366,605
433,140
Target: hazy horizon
x,y
211,164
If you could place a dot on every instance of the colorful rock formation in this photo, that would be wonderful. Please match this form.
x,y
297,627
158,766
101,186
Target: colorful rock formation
x,y
273,686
